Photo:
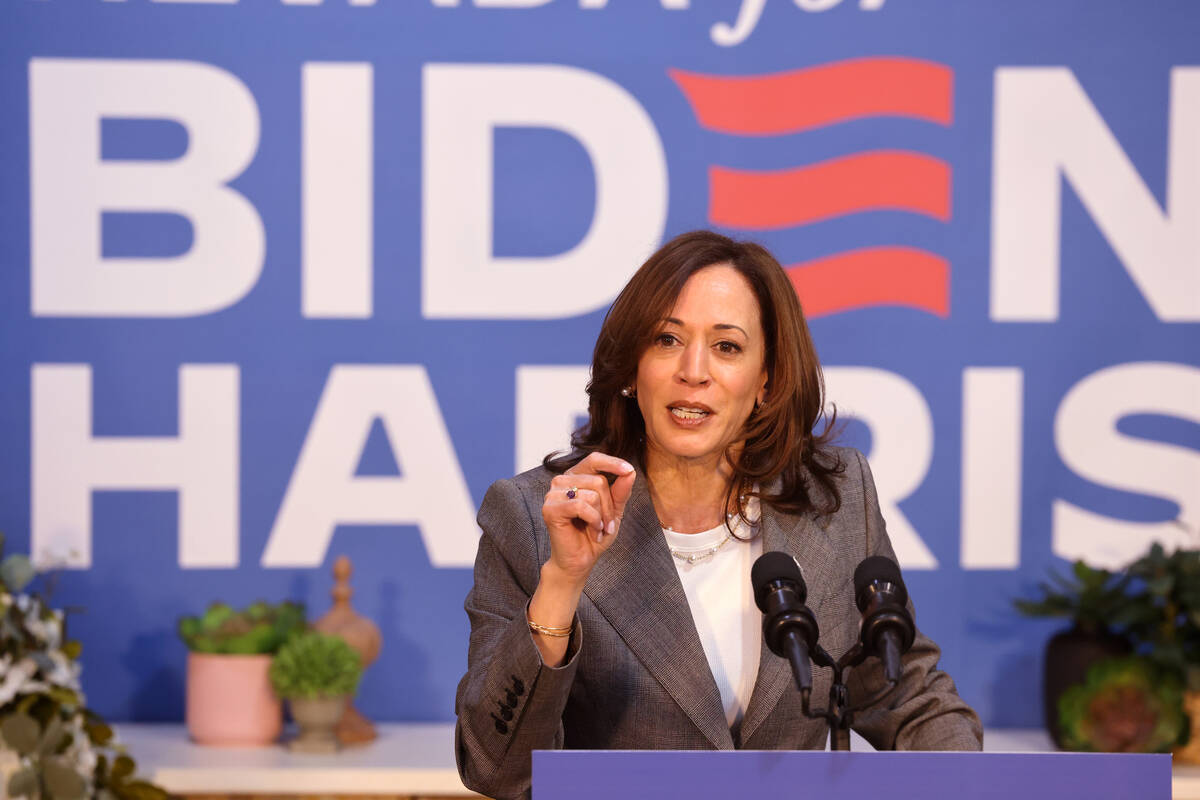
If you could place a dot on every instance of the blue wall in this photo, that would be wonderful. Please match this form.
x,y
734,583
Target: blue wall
x,y
353,231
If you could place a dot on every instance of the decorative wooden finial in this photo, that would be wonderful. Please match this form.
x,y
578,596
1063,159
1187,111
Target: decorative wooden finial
x,y
341,586
358,632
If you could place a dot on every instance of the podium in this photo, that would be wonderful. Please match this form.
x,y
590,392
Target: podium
x,y
720,775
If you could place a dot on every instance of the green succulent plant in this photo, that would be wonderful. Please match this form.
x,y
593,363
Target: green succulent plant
x,y
1126,705
315,665
260,628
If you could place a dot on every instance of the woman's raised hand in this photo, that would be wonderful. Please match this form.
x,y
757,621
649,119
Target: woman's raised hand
x,y
583,512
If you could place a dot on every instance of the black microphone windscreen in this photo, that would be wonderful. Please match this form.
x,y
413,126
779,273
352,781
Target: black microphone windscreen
x,y
775,566
878,568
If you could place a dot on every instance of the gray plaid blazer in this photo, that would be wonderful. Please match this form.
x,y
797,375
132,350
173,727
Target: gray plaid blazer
x,y
636,675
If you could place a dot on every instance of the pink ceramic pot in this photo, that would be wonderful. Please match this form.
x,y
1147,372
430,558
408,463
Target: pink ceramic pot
x,y
230,701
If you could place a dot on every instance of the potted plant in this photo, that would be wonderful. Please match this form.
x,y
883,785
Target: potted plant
x,y
229,698
317,674
1125,705
51,744
1164,624
1097,604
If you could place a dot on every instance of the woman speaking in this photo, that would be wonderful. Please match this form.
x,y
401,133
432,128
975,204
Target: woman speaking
x,y
612,605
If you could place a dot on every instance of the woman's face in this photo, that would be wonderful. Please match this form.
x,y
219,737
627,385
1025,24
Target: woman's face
x,y
699,379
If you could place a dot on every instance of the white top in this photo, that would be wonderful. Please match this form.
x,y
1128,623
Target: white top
x,y
722,603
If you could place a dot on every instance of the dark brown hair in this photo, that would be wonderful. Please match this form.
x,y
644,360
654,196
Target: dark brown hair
x,y
781,454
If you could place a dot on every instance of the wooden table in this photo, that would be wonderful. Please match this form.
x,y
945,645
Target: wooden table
x,y
409,760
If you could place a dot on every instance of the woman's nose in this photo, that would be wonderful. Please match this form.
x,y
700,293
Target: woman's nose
x,y
693,365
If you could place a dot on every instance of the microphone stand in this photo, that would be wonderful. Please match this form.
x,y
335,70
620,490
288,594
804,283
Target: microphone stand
x,y
840,715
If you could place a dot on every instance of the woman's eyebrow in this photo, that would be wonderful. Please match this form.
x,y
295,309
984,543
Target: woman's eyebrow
x,y
729,326
720,326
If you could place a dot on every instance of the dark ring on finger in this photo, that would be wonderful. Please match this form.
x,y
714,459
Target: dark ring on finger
x,y
571,493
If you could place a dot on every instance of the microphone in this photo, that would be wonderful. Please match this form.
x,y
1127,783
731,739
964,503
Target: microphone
x,y
789,628
887,627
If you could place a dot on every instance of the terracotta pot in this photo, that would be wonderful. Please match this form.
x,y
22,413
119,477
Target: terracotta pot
x,y
230,702
318,718
1190,752
1069,654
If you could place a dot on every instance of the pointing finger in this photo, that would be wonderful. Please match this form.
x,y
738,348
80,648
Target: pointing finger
x,y
602,462
621,488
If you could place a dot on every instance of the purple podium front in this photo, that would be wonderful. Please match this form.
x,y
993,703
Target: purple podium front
x,y
697,775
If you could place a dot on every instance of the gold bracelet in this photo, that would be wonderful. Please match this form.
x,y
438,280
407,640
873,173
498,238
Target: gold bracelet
x,y
558,633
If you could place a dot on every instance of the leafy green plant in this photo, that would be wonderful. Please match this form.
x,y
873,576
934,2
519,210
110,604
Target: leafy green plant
x,y
1094,599
1126,705
1164,622
260,628
315,665
66,751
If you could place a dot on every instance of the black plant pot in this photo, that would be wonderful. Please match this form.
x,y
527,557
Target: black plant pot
x,y
1069,654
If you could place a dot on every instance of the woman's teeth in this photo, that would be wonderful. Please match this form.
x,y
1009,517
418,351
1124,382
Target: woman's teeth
x,y
689,413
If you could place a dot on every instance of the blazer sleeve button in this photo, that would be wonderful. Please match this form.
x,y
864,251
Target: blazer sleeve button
x,y
501,725
506,712
510,698
518,685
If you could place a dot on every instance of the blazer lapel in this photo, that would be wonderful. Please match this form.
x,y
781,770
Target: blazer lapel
x,y
804,540
637,589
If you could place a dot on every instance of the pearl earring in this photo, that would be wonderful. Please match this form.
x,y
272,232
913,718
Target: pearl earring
x,y
629,391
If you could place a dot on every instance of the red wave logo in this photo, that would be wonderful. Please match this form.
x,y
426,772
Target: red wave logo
x,y
867,182
789,102
873,276
893,180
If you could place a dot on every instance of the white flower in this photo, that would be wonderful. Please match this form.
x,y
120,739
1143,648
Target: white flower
x,y
17,679
46,630
80,753
65,672
37,629
53,630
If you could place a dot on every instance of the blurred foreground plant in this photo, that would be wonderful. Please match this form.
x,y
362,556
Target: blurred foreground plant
x,y
65,750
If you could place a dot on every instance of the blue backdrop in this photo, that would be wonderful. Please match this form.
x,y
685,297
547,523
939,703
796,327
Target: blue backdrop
x,y
287,280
